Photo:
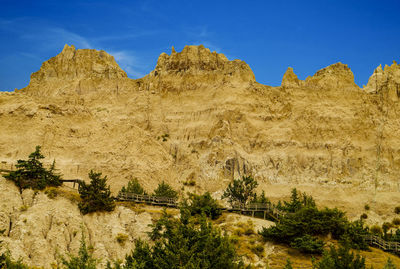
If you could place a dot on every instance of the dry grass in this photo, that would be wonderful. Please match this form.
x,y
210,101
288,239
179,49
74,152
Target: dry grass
x,y
72,195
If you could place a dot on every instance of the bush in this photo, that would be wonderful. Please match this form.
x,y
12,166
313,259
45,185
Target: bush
x,y
179,243
240,190
121,238
397,210
133,187
376,230
307,221
396,221
84,260
95,196
366,207
341,258
364,216
31,173
7,262
165,190
308,244
202,204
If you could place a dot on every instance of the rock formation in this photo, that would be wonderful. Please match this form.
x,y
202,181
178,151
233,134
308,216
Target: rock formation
x,y
198,116
196,66
336,76
290,79
386,82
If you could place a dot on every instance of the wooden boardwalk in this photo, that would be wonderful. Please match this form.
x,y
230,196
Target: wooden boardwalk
x,y
378,242
251,209
147,199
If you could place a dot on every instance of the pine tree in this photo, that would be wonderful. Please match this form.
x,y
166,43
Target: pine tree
x,y
31,173
133,187
240,190
165,190
95,196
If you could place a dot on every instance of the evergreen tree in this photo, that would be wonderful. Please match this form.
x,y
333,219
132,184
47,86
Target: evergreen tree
x,y
201,204
31,173
180,243
165,190
341,258
95,196
133,187
288,264
240,190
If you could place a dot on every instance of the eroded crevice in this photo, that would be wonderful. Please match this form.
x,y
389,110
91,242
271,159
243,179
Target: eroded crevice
x,y
9,226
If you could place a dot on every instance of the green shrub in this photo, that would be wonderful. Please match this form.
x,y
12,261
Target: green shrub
x,y
396,221
240,190
288,264
95,196
31,173
397,210
364,216
307,221
308,244
341,258
190,182
133,187
376,230
51,192
7,262
121,238
366,207
202,204
165,190
180,243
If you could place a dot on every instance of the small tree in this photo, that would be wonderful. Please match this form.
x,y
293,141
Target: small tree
x,y
84,260
202,204
133,187
341,258
95,196
31,173
184,243
240,190
165,190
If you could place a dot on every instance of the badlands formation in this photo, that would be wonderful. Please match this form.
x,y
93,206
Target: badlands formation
x,y
197,116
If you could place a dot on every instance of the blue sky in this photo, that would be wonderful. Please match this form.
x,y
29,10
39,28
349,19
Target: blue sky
x,y
268,35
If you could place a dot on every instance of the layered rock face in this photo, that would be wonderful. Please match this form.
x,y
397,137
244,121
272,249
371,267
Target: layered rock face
x,y
200,116
385,81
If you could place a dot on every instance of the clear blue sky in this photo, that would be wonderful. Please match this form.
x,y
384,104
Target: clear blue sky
x,y
268,35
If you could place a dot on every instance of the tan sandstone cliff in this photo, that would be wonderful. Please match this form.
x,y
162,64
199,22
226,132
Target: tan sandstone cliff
x,y
198,116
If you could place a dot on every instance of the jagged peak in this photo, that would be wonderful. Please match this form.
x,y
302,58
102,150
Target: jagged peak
x,y
337,75
290,79
199,61
385,79
72,64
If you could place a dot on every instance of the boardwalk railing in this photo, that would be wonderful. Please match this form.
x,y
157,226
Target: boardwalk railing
x,y
376,241
147,199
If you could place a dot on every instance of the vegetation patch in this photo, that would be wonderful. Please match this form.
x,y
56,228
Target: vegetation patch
x,y
32,174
